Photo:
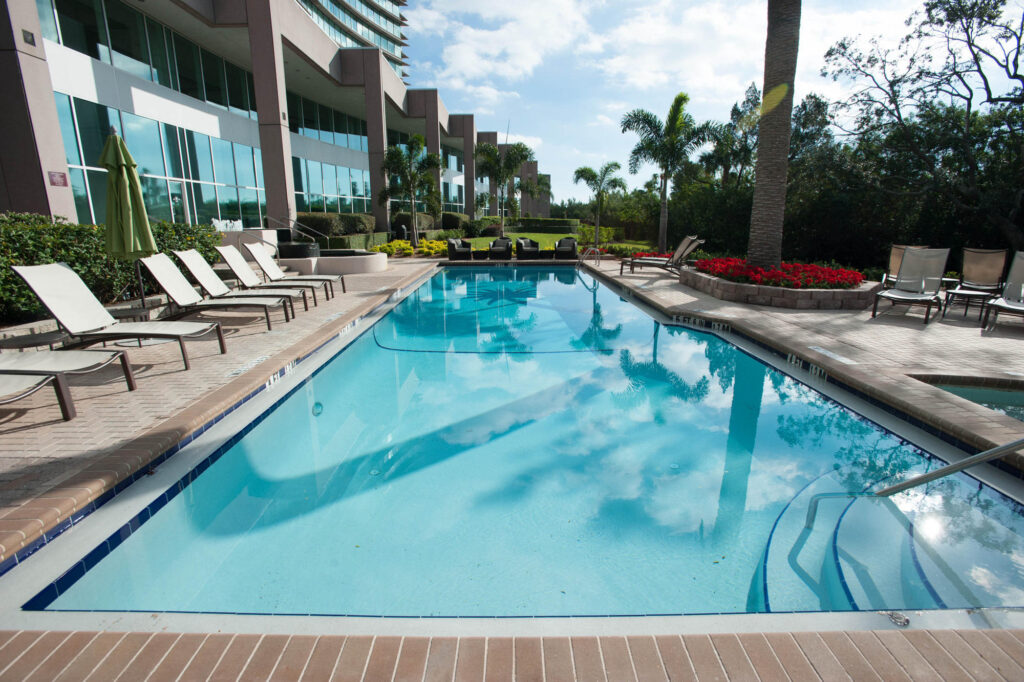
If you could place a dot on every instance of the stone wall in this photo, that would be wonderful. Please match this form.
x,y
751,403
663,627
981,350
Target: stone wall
x,y
779,297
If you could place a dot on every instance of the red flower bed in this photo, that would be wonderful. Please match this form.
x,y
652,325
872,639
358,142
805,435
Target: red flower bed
x,y
789,275
651,254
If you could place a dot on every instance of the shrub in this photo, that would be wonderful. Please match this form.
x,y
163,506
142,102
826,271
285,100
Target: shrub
x,y
397,247
585,234
423,221
788,275
454,221
338,224
445,235
549,225
358,223
28,239
433,247
325,223
474,228
490,231
623,250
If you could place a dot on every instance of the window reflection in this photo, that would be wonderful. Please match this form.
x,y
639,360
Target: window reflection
x,y
142,136
128,40
67,129
81,27
223,160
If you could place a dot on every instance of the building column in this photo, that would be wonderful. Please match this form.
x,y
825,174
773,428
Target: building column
x,y
267,49
468,130
377,131
433,124
33,168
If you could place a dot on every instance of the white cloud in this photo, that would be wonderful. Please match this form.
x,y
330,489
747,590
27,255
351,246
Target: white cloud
x,y
530,141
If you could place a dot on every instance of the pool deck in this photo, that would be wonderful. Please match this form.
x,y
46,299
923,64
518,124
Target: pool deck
x,y
50,470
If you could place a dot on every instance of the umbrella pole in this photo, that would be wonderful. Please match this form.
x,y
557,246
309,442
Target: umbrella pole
x,y
142,290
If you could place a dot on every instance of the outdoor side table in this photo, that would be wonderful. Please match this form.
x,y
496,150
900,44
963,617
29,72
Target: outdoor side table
x,y
967,296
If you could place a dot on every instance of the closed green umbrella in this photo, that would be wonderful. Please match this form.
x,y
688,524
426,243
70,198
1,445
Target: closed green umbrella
x,y
128,234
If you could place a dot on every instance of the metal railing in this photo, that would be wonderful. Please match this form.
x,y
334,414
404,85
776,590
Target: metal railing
x,y
294,226
942,472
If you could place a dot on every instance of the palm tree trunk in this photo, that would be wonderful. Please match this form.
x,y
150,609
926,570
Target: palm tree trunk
x,y
769,210
412,214
663,220
597,227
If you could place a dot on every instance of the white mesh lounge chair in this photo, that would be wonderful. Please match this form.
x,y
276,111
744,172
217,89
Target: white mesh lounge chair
x,y
213,285
22,374
188,300
672,263
918,281
275,274
895,260
79,312
1012,300
250,280
981,280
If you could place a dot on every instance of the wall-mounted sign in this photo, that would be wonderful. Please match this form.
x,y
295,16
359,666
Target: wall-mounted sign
x,y
58,179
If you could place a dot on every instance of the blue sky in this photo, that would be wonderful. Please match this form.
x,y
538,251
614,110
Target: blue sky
x,y
561,73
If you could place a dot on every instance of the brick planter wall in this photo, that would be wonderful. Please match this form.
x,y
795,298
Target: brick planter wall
x,y
807,299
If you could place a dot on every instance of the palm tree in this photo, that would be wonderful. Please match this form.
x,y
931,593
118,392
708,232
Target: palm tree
x,y
765,246
410,176
600,183
502,166
667,145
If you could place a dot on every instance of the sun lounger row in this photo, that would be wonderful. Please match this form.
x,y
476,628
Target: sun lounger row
x,y
501,249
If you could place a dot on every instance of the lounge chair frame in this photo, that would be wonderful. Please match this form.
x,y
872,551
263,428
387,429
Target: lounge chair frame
x,y
275,274
215,287
918,281
248,278
673,263
981,280
1012,300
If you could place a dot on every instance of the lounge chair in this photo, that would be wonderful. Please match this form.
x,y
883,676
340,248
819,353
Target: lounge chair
x,y
895,260
188,300
527,249
213,285
981,280
79,312
501,249
566,249
673,263
1012,300
460,249
248,278
918,280
22,374
276,274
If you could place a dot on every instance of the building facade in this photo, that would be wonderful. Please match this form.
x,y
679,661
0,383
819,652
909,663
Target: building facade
x,y
233,109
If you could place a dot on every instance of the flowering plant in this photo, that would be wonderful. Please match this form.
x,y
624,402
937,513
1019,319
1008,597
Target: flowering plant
x,y
788,275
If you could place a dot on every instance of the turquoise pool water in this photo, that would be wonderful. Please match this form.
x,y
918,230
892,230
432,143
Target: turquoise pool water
x,y
523,442
1006,402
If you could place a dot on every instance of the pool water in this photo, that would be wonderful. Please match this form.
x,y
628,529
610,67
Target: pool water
x,y
523,442
1008,402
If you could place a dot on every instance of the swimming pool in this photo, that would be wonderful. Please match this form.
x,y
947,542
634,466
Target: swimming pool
x,y
1005,401
523,442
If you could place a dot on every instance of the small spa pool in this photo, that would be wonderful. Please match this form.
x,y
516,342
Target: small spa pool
x,y
524,442
1003,401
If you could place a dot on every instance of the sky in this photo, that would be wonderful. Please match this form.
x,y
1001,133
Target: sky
x,y
560,74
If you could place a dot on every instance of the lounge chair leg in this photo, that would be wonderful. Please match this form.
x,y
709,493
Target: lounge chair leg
x,y
67,406
927,312
330,285
313,291
129,377
874,308
305,301
184,353
266,313
343,289
220,339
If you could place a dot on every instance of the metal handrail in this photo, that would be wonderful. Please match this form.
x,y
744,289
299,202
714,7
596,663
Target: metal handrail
x,y
591,251
291,229
941,472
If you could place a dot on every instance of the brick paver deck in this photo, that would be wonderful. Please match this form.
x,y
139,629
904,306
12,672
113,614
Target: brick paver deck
x,y
48,468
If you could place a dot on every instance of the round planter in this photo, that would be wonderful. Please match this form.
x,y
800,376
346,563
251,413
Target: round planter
x,y
298,250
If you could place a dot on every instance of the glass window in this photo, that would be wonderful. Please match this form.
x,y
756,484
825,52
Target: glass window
x,y
200,161
162,71
364,139
67,129
229,203
98,193
315,203
326,124
344,205
248,200
298,174
47,20
344,188
82,28
331,204
205,202
128,40
213,79
262,196
366,183
142,137
190,75
314,178
81,196
238,95
294,112
94,124
330,179
172,151
252,95
259,166
177,193
300,202
223,161
353,132
154,195
244,171
340,129
357,182
309,125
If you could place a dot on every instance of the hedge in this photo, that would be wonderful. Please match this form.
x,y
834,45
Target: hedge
x,y
28,239
354,241
424,221
454,221
338,224
547,225
585,234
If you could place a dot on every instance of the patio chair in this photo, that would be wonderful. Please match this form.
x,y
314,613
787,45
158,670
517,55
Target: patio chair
x,y
918,281
895,260
188,300
673,263
75,308
981,279
527,249
248,278
566,249
460,249
213,285
501,249
1012,300
22,374
276,274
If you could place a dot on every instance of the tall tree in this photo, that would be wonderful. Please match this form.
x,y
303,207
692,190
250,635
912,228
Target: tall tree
x,y
410,176
600,182
667,145
769,208
502,166
736,141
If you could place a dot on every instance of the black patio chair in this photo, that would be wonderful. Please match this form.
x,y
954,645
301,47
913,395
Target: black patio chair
x,y
527,248
459,249
501,249
565,249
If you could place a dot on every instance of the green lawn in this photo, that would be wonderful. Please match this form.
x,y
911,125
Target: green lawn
x,y
546,241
